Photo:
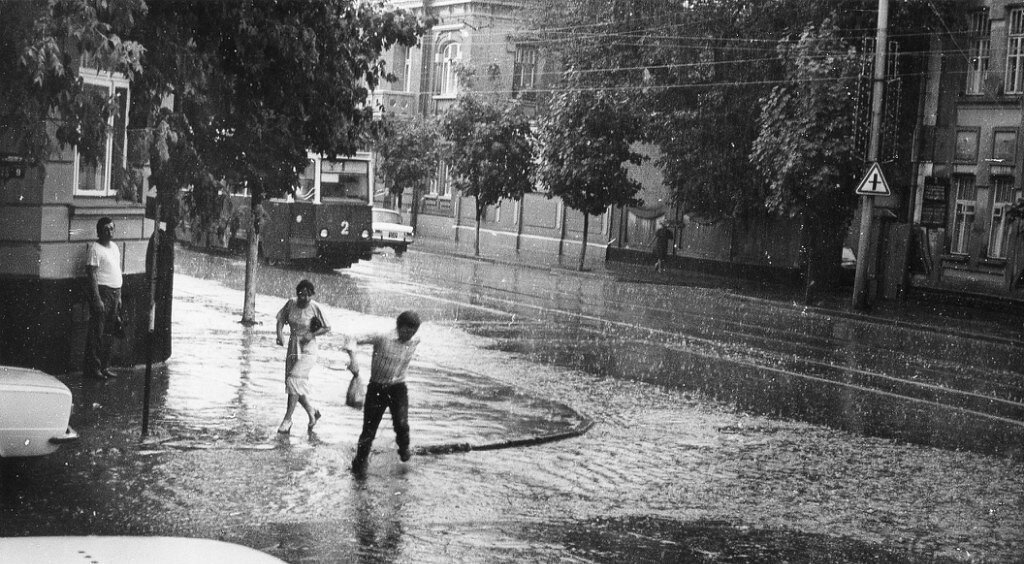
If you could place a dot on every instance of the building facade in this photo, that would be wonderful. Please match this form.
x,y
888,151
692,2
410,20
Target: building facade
x,y
48,216
473,48
968,156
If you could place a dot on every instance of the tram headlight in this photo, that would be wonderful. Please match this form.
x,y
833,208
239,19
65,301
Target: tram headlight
x,y
324,233
365,234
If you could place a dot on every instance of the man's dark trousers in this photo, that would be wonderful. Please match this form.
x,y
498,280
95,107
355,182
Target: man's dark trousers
x,y
394,398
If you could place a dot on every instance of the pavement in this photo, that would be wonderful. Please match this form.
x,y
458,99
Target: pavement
x,y
973,316
208,345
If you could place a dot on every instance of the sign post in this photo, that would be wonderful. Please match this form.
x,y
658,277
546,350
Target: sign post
x,y
874,181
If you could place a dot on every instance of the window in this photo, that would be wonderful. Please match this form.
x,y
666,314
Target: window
x,y
95,179
980,29
963,214
1002,199
524,70
407,71
448,73
347,178
1015,52
440,186
1004,146
306,189
403,67
966,146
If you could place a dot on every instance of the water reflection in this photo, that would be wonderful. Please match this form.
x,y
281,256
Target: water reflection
x,y
909,378
377,511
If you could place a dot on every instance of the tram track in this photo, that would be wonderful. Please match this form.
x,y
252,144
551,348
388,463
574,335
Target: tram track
x,y
985,392
1001,387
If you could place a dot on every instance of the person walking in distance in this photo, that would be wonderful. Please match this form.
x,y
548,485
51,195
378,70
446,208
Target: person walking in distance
x,y
392,351
103,268
305,322
662,237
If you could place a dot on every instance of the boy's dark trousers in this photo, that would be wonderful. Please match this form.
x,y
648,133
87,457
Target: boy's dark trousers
x,y
379,398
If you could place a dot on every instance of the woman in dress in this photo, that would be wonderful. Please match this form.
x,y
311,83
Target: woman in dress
x,y
306,322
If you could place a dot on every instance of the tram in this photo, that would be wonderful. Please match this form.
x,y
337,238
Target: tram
x,y
325,220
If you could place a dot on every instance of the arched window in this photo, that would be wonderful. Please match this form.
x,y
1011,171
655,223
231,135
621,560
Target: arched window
x,y
449,57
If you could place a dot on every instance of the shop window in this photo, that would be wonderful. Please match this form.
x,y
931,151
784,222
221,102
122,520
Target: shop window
x,y
440,186
980,28
95,179
963,214
1015,52
1002,199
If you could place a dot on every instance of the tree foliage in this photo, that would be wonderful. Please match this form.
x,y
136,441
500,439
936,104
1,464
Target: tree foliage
x,y
489,152
262,83
806,144
698,70
586,138
407,151
43,45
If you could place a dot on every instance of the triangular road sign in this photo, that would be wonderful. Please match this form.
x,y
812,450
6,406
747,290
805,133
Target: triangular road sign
x,y
874,183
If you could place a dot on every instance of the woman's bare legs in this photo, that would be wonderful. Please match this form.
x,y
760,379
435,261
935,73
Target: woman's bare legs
x,y
313,413
286,423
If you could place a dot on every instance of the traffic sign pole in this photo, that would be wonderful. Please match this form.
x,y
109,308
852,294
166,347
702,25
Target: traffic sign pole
x,y
867,208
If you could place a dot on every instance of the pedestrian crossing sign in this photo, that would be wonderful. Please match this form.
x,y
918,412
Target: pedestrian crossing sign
x,y
874,183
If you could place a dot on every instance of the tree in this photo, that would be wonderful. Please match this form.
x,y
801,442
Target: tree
x,y
491,155
407,150
585,140
699,69
807,143
263,83
43,45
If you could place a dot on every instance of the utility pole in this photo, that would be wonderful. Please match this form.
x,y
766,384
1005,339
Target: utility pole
x,y
867,208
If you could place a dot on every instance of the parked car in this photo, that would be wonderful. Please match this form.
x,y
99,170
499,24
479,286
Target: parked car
x,y
389,231
127,550
34,412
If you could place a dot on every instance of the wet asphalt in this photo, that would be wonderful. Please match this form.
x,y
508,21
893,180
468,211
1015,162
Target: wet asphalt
x,y
588,464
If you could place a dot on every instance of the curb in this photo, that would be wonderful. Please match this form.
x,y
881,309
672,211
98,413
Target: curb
x,y
923,295
547,267
452,448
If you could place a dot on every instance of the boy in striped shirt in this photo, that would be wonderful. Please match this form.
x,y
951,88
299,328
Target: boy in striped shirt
x,y
392,351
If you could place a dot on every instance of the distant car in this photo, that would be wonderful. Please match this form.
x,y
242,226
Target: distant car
x,y
127,550
389,231
34,412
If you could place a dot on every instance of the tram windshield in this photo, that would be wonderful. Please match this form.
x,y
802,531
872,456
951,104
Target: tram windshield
x,y
345,179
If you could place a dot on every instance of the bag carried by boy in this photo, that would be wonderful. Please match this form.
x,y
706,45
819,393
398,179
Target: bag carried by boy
x,y
356,395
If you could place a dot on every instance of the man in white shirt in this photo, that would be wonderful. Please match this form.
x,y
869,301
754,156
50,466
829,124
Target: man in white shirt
x,y
103,266
392,352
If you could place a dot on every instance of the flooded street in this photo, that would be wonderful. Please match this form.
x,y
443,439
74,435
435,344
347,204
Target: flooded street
x,y
663,424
